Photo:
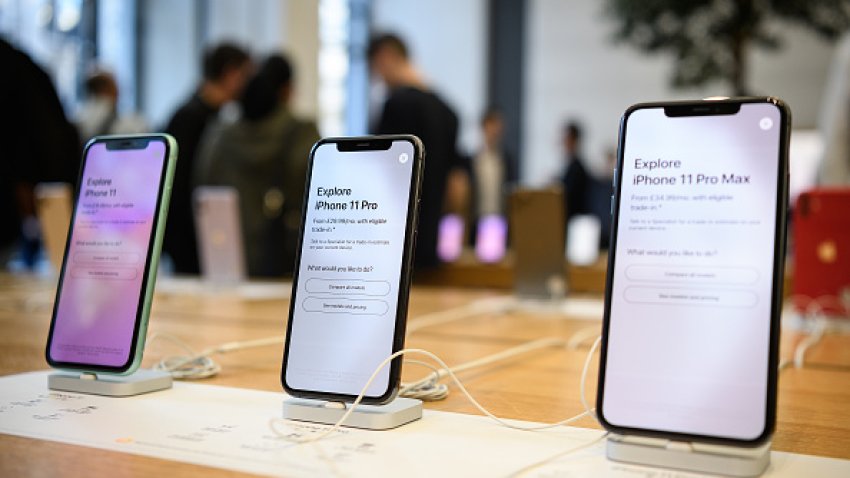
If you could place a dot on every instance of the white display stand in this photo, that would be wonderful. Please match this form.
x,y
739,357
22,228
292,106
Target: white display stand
x,y
690,456
142,381
228,428
370,417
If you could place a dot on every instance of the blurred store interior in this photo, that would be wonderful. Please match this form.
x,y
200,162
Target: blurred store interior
x,y
539,80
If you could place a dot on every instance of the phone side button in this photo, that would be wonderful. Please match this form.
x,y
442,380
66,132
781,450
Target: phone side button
x,y
612,205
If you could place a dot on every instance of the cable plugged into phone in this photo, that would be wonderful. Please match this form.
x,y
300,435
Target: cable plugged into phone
x,y
443,370
194,365
429,389
588,411
200,365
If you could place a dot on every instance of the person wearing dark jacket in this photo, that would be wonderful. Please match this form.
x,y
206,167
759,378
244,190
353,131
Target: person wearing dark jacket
x,y
583,193
575,180
225,69
39,145
413,108
264,157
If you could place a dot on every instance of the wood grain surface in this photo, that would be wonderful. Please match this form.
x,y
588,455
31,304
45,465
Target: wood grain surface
x,y
814,402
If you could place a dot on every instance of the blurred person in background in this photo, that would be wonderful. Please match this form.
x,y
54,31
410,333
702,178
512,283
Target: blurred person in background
x,y
39,145
264,156
226,68
575,180
98,114
604,194
492,170
584,194
411,107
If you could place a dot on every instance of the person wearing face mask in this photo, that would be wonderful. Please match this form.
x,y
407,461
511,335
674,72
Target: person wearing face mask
x,y
98,114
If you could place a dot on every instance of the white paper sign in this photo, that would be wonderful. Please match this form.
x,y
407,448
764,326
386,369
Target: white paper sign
x,y
229,428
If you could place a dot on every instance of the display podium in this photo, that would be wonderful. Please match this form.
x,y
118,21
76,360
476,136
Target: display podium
x,y
370,417
140,382
690,456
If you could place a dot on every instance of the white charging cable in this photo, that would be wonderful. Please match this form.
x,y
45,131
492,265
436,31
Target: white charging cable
x,y
429,389
588,411
810,341
198,365
194,365
491,305
815,319
445,370
525,470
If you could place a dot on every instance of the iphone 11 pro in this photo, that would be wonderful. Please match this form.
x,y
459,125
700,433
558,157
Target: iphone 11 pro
x,y
348,310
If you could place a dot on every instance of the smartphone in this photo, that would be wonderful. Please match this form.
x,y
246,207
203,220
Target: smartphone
x,y
583,232
222,256
450,238
53,208
690,334
353,265
491,239
822,251
107,277
537,237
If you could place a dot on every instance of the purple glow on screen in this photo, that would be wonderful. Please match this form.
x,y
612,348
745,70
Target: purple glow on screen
x,y
491,239
450,238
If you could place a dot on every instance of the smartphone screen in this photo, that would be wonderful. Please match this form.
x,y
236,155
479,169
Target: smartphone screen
x,y
219,234
537,238
349,299
491,239
98,305
692,306
450,238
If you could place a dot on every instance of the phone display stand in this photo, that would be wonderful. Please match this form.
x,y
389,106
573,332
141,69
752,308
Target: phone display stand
x,y
399,412
690,456
142,381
